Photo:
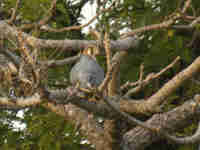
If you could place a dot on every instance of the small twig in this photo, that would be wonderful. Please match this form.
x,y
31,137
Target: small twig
x,y
150,77
55,63
14,13
49,13
163,25
108,77
78,27
130,84
186,6
141,72
44,20
168,67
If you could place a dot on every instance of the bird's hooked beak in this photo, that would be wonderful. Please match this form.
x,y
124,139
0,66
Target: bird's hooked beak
x,y
91,51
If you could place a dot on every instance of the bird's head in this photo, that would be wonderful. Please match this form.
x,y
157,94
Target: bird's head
x,y
91,51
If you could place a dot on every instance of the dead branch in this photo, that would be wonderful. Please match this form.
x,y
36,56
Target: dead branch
x,y
24,50
193,23
114,84
152,104
157,130
170,121
109,131
30,60
186,6
14,12
110,67
55,63
65,45
148,79
107,78
14,58
75,115
78,27
108,51
83,121
44,20
163,25
21,102
160,96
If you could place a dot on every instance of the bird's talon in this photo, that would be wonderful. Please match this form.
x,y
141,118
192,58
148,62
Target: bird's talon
x,y
86,90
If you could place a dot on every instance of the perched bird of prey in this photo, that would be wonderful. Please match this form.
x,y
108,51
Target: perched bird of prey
x,y
87,73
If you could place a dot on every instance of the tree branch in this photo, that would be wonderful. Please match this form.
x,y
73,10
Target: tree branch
x,y
148,79
66,45
78,27
44,20
14,13
170,121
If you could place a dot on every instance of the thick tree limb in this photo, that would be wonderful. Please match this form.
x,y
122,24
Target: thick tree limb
x,y
87,125
153,103
66,45
21,102
139,138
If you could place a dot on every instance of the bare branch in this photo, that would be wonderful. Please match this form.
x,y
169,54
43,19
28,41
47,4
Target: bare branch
x,y
187,140
83,121
110,68
160,96
14,58
152,104
78,27
148,79
108,51
156,129
107,78
186,6
42,21
67,45
14,13
21,102
171,121
55,63
197,20
163,25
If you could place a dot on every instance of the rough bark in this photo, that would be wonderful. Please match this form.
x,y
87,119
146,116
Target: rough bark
x,y
66,45
138,138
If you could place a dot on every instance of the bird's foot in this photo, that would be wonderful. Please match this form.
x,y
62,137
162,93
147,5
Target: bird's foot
x,y
86,90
